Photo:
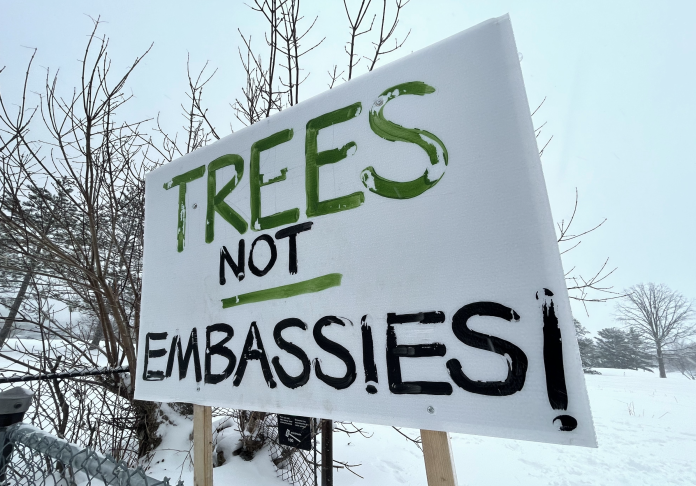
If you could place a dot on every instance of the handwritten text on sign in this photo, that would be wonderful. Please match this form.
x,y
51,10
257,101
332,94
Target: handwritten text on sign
x,y
383,253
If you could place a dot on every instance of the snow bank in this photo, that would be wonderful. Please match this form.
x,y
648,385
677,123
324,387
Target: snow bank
x,y
645,427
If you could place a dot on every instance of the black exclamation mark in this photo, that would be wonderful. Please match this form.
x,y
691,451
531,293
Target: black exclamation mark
x,y
553,364
368,356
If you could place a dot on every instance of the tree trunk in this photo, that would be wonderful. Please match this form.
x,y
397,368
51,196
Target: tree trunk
x,y
253,435
97,336
660,360
147,421
9,320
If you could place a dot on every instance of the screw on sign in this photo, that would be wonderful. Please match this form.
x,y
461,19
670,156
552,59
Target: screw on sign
x,y
294,431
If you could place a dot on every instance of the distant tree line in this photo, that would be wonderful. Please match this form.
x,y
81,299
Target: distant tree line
x,y
657,331
613,348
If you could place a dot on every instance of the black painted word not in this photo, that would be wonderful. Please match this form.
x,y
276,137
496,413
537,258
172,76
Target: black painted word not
x,y
238,267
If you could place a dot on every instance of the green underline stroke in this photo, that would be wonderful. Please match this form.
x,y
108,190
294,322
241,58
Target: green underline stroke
x,y
284,291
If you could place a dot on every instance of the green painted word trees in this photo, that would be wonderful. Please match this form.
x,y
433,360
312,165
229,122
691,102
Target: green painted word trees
x,y
314,159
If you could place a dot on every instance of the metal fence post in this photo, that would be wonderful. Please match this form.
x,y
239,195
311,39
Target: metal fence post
x,y
13,404
326,452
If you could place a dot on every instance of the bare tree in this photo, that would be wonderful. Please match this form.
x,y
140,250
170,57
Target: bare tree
x,y
76,151
660,315
291,49
592,289
274,83
198,129
355,32
682,357
386,33
580,287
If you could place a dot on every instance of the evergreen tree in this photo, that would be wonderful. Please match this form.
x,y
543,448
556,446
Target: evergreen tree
x,y
588,352
621,349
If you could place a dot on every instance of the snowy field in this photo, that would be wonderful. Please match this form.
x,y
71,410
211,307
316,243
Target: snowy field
x,y
646,428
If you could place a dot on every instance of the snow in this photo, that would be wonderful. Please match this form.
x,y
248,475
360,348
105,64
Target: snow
x,y
645,427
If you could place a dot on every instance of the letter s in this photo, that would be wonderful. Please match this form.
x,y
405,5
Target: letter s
x,y
433,146
516,359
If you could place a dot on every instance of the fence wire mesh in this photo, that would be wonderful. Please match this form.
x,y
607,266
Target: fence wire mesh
x,y
84,411
294,465
31,457
258,429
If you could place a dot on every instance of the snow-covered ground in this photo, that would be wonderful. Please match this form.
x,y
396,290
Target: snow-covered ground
x,y
646,428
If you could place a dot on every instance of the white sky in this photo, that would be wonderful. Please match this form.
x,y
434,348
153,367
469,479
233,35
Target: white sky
x,y
619,77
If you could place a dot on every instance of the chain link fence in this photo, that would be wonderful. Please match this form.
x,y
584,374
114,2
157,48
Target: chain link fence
x,y
296,466
257,429
32,457
86,410
80,408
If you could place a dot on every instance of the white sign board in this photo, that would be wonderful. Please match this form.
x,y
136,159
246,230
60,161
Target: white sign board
x,y
383,253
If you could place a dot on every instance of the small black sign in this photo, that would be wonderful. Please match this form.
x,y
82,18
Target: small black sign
x,y
294,431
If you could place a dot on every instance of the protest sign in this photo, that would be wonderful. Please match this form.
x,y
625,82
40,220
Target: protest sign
x,y
383,252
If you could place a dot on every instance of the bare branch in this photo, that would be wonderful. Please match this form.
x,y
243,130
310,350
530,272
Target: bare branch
x,y
385,35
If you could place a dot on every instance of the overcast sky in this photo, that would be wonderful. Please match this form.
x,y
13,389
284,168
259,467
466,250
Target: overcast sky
x,y
619,79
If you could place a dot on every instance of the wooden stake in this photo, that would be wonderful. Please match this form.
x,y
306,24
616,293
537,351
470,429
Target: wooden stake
x,y
202,445
439,463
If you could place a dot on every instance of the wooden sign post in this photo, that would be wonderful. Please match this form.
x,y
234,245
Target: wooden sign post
x,y
202,445
439,462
